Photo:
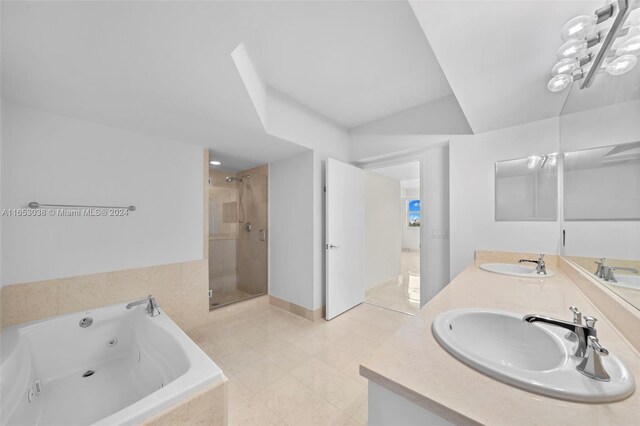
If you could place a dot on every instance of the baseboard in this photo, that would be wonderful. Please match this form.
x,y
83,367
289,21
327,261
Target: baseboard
x,y
298,310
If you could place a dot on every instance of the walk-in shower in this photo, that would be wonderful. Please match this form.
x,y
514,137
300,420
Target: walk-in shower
x,y
238,208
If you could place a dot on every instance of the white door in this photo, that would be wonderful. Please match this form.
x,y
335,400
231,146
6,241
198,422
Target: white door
x,y
344,237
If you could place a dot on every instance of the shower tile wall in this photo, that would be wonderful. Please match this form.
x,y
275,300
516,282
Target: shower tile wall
x,y
252,251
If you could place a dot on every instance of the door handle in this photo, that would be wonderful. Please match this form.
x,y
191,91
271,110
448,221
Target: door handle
x,y
332,247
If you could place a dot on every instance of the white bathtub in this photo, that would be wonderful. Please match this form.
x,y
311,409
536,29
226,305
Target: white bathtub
x,y
142,365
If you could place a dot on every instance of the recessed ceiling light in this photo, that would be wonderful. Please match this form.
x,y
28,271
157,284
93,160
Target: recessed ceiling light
x,y
214,163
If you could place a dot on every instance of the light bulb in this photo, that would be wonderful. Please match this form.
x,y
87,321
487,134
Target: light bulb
x,y
552,159
634,21
214,163
533,161
634,26
560,82
572,49
578,27
629,47
622,65
565,66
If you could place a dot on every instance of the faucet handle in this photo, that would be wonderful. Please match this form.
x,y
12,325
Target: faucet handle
x,y
577,315
590,321
594,343
608,273
600,268
591,365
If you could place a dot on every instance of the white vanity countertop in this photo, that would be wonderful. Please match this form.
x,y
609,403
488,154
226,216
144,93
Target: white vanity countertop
x,y
412,363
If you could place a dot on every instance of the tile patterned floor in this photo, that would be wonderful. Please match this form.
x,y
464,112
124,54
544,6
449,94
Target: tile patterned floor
x,y
286,370
402,293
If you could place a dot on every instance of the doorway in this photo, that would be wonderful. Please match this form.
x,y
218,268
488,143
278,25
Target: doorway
x,y
238,229
393,217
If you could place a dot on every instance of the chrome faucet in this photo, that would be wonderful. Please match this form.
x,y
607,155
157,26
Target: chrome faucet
x,y
600,268
591,364
152,305
589,349
577,319
608,272
541,267
581,331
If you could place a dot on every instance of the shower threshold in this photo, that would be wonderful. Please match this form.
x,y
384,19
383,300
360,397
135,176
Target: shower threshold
x,y
219,302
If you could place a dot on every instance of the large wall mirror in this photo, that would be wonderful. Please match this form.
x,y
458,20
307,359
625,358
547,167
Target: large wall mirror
x,y
527,188
600,142
602,183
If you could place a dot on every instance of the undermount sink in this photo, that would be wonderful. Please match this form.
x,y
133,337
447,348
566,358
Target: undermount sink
x,y
515,270
533,357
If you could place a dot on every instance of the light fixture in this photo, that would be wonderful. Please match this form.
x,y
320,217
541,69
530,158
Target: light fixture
x,y
569,65
552,159
215,163
565,66
578,27
572,49
559,82
629,47
533,161
622,65
633,27
617,55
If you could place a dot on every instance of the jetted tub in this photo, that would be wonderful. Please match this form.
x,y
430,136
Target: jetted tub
x,y
122,369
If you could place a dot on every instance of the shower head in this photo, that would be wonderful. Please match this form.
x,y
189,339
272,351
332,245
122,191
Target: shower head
x,y
230,179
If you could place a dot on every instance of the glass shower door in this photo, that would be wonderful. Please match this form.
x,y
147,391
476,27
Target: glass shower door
x,y
238,209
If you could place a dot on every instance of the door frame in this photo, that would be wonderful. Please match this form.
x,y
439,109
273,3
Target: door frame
x,y
396,160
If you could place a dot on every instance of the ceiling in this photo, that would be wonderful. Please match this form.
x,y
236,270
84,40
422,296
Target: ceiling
x,y
352,62
400,172
497,55
160,68
165,68
608,156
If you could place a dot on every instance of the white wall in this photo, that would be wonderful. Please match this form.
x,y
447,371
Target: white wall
x,y
610,125
435,206
368,148
473,225
383,238
441,116
291,233
51,158
288,119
